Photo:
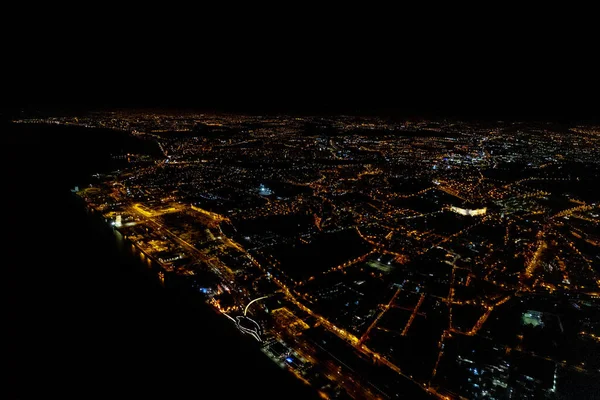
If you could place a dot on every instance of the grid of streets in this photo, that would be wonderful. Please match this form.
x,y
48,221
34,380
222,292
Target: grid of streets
x,y
375,258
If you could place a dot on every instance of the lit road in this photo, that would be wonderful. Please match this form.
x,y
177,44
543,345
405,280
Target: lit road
x,y
222,272
227,275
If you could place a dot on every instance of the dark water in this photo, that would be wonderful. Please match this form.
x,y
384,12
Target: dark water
x,y
84,320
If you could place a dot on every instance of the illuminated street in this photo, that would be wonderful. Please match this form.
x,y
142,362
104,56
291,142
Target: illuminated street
x,y
373,258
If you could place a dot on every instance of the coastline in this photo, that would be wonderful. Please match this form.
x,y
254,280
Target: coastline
x,y
148,268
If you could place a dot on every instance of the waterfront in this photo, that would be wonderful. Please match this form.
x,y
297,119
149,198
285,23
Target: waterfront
x,y
396,288
85,320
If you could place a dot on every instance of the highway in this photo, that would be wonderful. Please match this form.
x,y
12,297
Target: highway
x,y
222,271
227,275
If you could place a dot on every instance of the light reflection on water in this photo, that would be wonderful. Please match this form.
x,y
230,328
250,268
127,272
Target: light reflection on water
x,y
130,249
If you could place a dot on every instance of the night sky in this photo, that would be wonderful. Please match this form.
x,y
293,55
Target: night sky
x,y
494,70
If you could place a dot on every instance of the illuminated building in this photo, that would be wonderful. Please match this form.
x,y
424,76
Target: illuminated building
x,y
470,212
264,191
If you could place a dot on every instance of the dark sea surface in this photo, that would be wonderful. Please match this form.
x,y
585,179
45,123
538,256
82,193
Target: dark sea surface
x,y
84,318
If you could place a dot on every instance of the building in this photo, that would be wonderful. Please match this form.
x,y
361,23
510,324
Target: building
x,y
468,211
